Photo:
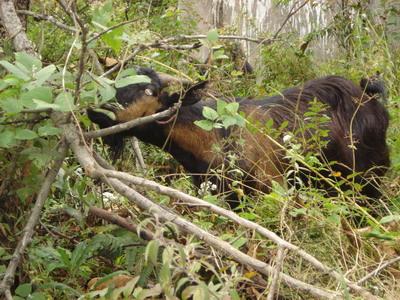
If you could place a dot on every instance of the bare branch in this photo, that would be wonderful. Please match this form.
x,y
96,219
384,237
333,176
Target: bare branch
x,y
51,19
128,125
122,222
292,12
8,279
122,62
273,290
187,227
84,32
237,219
97,35
93,169
138,153
14,27
381,267
34,120
165,44
36,110
222,37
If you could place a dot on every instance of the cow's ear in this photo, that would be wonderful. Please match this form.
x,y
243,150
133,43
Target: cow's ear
x,y
195,93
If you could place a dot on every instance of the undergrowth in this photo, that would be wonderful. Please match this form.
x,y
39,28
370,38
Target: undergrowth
x,y
71,247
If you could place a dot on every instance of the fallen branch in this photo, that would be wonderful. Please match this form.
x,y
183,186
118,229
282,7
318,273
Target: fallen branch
x,y
138,153
381,267
51,19
273,289
187,227
122,222
8,279
94,170
130,124
152,185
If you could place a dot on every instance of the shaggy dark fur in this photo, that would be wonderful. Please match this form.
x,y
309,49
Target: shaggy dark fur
x,y
356,117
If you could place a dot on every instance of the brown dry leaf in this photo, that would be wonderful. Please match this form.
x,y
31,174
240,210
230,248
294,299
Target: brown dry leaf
x,y
117,282
110,62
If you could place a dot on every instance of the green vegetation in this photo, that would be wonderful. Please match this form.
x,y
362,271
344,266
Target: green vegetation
x,y
72,246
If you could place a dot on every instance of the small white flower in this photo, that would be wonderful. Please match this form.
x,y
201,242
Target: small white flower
x,y
109,197
286,138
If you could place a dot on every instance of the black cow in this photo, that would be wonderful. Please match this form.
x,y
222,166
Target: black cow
x,y
357,127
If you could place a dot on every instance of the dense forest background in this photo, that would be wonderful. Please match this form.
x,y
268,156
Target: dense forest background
x,y
69,232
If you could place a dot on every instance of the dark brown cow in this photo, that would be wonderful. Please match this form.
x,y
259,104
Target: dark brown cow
x,y
357,127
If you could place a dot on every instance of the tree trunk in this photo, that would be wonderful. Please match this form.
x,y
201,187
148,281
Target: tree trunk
x,y
14,28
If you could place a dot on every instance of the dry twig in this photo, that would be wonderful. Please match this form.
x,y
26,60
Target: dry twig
x,y
48,18
122,222
381,267
243,222
8,279
130,124
93,169
273,290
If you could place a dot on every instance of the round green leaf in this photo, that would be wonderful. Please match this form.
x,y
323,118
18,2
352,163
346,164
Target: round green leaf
x,y
25,134
24,290
210,113
212,35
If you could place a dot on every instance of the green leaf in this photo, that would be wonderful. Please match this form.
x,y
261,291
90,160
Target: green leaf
x,y
390,218
234,295
39,156
210,113
24,290
44,105
133,79
113,38
38,296
127,72
25,134
221,107
228,121
206,125
102,15
7,139
65,102
15,70
44,74
212,35
107,93
165,274
11,106
232,108
48,130
220,54
239,242
45,94
30,62
240,121
151,252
